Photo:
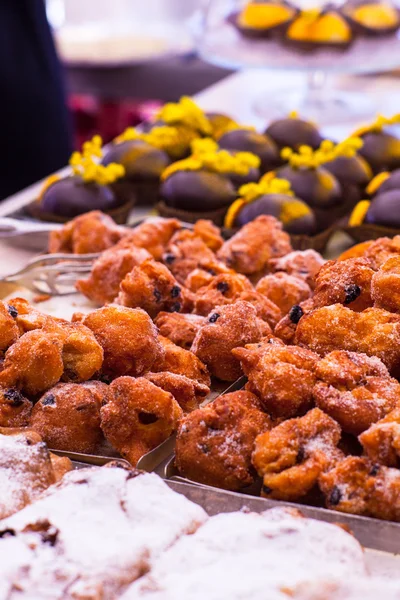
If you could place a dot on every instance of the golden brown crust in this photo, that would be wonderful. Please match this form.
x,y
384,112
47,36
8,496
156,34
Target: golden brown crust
x,y
381,442
152,236
265,308
152,287
15,409
9,332
282,377
138,417
182,362
185,252
358,486
67,417
92,232
228,327
292,456
180,328
284,290
385,285
102,286
61,465
214,444
346,282
374,332
187,392
303,264
209,233
249,250
223,289
128,338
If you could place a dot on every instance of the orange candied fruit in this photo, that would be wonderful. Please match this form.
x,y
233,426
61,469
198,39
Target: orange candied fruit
x,y
264,15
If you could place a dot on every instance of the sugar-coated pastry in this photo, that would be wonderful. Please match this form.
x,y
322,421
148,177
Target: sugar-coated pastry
x,y
34,363
358,486
61,465
266,310
292,456
151,286
303,264
283,377
223,289
102,286
374,332
209,233
182,362
378,251
284,290
385,285
355,390
25,470
286,327
67,417
203,275
153,236
15,409
189,393
180,328
214,443
8,328
128,338
250,249
346,282
92,232
186,251
381,442
228,327
138,417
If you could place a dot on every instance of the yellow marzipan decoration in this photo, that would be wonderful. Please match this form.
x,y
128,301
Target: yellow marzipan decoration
x,y
348,148
233,212
47,183
266,185
206,155
359,213
292,210
380,122
185,112
376,182
85,165
165,138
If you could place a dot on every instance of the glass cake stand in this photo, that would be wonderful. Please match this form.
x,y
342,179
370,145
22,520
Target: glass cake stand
x,y
220,43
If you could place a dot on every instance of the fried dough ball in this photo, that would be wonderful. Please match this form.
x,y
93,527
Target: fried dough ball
x,y
153,236
61,465
355,390
228,327
385,285
182,362
374,332
209,233
152,287
180,328
28,318
359,487
346,282
286,327
381,442
283,377
266,309
139,417
92,232
108,271
292,456
214,444
185,252
204,274
67,417
283,290
223,289
128,338
15,409
250,249
381,250
34,363
189,393
303,264
9,332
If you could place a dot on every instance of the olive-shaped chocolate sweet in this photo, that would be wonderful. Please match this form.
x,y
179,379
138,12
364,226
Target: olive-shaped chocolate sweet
x,y
385,209
140,160
248,140
381,150
316,187
293,132
200,191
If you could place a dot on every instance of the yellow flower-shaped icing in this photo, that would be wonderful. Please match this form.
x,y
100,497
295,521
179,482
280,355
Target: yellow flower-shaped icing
x,y
85,165
185,112
376,126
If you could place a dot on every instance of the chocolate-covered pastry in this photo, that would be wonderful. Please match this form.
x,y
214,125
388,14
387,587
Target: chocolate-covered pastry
x,y
220,123
384,209
294,132
383,182
381,148
263,19
248,140
88,188
372,17
203,182
271,197
315,28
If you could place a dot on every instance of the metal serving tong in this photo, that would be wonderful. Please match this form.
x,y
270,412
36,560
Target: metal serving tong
x,y
52,274
10,227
